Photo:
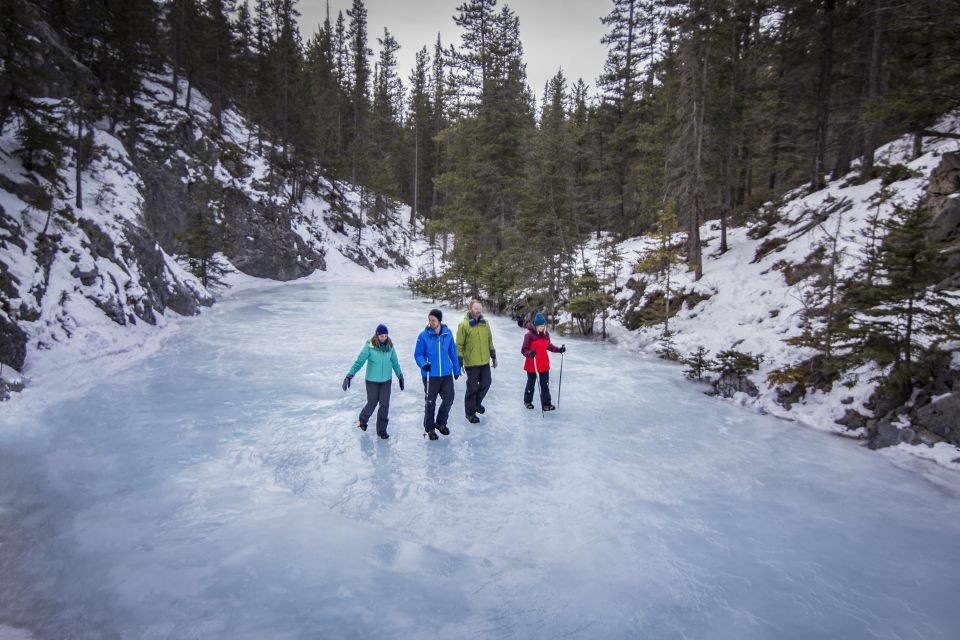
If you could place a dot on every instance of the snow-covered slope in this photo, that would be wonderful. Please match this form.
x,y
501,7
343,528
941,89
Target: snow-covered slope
x,y
755,293
81,282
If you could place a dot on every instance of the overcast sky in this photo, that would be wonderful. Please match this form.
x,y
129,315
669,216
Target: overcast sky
x,y
555,33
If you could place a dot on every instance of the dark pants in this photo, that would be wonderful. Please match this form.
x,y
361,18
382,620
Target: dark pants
x,y
431,388
478,383
377,393
544,388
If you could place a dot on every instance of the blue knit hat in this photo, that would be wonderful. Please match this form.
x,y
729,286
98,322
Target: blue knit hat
x,y
539,319
382,330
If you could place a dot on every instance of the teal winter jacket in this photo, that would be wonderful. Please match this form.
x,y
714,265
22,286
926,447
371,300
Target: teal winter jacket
x,y
380,360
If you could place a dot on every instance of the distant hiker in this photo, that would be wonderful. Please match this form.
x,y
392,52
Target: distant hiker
x,y
381,360
476,352
536,344
436,355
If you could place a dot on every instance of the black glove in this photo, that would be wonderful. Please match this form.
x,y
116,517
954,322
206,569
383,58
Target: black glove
x,y
346,382
426,367
493,358
401,383
532,353
563,348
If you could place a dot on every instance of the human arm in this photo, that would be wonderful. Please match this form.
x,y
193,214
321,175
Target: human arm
x,y
454,359
420,355
525,348
493,351
361,359
395,362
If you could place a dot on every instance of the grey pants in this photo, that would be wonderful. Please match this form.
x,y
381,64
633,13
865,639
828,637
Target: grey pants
x,y
377,393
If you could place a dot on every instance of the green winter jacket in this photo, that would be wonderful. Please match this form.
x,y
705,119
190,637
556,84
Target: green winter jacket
x,y
380,360
475,341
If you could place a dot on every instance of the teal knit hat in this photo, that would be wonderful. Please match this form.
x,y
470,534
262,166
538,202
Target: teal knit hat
x,y
539,319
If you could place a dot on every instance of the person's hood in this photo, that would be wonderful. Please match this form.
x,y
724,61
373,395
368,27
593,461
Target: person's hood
x,y
443,329
531,328
475,321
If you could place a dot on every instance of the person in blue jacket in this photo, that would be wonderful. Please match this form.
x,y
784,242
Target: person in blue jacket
x,y
381,360
436,355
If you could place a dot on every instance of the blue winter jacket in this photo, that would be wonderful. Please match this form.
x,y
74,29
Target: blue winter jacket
x,y
440,350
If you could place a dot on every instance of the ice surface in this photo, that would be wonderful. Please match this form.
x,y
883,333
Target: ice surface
x,y
219,489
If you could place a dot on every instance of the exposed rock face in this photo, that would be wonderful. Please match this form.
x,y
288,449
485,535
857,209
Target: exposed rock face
x,y
941,417
13,344
942,195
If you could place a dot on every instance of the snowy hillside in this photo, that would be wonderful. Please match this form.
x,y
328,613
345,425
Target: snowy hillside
x,y
79,282
752,297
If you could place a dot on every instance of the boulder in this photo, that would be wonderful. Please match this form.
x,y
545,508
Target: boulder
x,y
941,417
886,434
729,384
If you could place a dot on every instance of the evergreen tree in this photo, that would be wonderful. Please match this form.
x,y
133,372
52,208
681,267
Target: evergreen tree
x,y
420,119
359,90
905,311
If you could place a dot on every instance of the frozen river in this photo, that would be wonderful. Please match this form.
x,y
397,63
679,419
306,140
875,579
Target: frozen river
x,y
219,489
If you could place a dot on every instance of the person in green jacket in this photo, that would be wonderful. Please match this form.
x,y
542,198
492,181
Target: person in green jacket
x,y
476,353
381,360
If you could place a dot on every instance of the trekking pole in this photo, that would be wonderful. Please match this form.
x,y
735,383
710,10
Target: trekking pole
x,y
560,384
536,374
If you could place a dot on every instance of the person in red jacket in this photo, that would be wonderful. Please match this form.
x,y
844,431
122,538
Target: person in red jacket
x,y
536,345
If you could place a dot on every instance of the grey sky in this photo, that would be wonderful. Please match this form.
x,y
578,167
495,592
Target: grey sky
x,y
555,33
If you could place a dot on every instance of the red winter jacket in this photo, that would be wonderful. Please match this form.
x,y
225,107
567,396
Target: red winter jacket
x,y
539,342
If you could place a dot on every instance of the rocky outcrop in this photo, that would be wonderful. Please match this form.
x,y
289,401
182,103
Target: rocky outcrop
x,y
943,196
924,414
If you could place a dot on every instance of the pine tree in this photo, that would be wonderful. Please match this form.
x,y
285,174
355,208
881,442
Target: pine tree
x,y
905,311
420,117
359,90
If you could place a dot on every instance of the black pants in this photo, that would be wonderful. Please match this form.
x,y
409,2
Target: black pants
x,y
377,393
544,388
431,388
478,383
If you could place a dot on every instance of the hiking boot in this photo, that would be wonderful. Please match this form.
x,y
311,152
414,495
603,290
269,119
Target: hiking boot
x,y
528,405
433,435
548,407
363,426
473,419
442,428
481,410
384,436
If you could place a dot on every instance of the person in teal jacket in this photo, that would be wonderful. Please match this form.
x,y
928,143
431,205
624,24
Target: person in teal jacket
x,y
381,360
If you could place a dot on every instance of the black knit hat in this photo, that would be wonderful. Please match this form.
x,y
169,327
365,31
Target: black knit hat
x,y
436,313
382,330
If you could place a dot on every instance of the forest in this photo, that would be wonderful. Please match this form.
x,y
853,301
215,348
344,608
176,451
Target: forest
x,y
706,110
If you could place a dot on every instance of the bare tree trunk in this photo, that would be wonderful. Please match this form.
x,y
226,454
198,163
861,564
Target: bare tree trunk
x,y
873,89
79,152
819,165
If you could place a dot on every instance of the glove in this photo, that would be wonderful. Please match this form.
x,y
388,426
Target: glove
x,y
532,353
563,348
401,383
346,382
426,367
493,358
460,360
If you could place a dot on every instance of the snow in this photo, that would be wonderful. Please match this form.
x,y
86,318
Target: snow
x,y
219,488
752,309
